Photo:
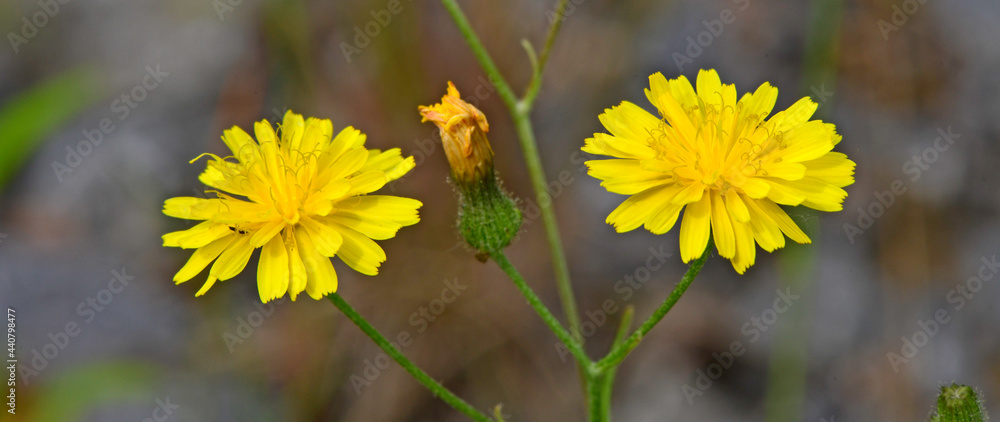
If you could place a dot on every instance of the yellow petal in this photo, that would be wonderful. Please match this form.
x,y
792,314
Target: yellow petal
x,y
663,220
297,276
191,208
321,202
722,227
272,270
266,233
366,182
359,252
234,259
807,141
292,129
761,102
783,194
200,235
695,229
691,193
680,89
784,222
765,230
625,176
797,114
325,238
344,165
390,162
201,258
208,285
736,207
755,188
784,170
639,207
809,191
746,251
832,167
709,87
321,278
618,147
629,121
674,113
241,144
226,176
316,135
390,209
347,139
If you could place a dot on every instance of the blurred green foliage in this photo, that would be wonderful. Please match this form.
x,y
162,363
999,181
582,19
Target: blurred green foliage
x,y
71,395
30,116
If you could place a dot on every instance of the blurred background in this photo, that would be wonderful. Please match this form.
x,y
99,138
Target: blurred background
x,y
103,103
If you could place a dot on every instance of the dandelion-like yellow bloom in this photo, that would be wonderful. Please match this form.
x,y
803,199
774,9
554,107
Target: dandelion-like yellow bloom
x,y
722,161
302,198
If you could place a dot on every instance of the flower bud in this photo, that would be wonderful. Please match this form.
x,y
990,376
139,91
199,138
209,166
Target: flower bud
x,y
488,218
958,403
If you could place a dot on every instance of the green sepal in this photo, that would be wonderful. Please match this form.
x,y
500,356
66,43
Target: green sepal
x,y
958,403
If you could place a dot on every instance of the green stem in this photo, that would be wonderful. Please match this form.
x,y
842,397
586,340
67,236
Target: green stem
x,y
621,350
519,110
480,52
435,387
595,390
536,78
601,408
537,174
571,344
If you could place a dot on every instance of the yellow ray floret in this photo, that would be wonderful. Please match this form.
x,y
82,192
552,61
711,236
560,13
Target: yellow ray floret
x,y
720,160
300,195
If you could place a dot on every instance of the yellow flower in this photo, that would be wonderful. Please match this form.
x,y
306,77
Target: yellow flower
x,y
301,198
722,161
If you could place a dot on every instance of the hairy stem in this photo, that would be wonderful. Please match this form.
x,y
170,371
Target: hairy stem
x,y
621,350
564,336
520,113
435,387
